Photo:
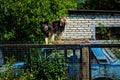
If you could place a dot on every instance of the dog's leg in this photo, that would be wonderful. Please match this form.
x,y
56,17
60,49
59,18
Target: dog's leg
x,y
53,38
46,40
59,38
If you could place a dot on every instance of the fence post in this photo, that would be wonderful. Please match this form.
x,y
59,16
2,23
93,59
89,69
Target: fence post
x,y
85,64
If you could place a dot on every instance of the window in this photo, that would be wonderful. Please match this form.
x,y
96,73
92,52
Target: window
x,y
107,33
73,56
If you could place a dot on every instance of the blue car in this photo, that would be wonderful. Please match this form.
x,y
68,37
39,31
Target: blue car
x,y
104,64
15,67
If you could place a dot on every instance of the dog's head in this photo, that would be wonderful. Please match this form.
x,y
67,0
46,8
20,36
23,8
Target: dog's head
x,y
62,21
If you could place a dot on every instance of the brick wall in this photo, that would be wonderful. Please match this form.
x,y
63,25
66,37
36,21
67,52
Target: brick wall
x,y
81,24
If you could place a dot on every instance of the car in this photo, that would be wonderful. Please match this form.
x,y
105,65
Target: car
x,y
104,64
15,67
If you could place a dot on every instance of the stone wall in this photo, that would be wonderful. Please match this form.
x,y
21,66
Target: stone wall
x,y
81,24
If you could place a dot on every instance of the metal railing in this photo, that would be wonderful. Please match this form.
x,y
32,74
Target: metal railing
x,y
26,50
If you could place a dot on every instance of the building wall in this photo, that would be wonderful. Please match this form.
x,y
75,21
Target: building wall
x,y
82,26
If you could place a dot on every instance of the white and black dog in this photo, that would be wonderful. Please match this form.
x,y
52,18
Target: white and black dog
x,y
51,28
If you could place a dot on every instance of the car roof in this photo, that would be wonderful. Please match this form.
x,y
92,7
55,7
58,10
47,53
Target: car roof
x,y
98,53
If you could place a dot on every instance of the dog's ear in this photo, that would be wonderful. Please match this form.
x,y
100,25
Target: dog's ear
x,y
62,21
44,26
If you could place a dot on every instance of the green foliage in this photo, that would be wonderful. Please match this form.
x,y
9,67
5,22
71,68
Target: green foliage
x,y
20,19
38,67
105,33
50,68
11,73
54,70
99,4
102,29
102,32
116,51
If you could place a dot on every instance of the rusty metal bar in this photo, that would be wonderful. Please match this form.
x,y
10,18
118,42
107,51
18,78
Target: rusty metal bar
x,y
59,46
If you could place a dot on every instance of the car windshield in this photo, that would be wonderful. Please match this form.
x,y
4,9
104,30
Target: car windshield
x,y
111,57
99,55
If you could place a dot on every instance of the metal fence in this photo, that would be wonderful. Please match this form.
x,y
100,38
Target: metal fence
x,y
78,67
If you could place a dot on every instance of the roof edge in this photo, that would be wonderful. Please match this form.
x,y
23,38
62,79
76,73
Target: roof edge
x,y
93,11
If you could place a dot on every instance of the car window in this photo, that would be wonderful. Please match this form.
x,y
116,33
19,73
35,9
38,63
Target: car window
x,y
51,53
73,56
78,53
1,58
93,59
102,61
101,58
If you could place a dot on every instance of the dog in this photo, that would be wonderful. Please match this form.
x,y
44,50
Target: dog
x,y
50,29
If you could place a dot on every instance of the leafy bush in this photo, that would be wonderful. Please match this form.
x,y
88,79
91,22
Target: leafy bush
x,y
39,68
20,19
12,73
50,68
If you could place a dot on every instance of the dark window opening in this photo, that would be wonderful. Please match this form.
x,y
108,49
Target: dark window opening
x,y
107,33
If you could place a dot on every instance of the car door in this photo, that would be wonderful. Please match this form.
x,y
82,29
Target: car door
x,y
74,62
98,63
113,68
103,66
